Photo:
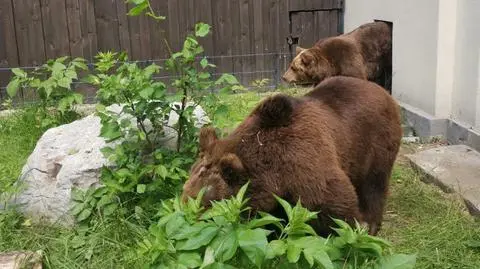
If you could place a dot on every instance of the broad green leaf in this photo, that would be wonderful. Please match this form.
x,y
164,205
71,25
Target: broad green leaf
x,y
105,200
110,209
137,10
110,130
268,219
218,265
77,195
276,248
254,244
202,29
190,260
201,239
80,65
84,214
78,98
174,224
204,75
286,206
77,208
19,72
321,257
208,258
190,231
242,191
204,62
71,74
141,188
161,171
227,78
293,252
146,93
225,246
58,67
399,261
13,86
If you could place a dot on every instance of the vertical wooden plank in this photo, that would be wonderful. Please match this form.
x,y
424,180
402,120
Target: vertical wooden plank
x,y
123,29
28,27
203,13
89,29
333,16
246,35
258,39
222,34
139,29
55,28
107,25
236,37
158,31
282,34
173,25
8,42
74,28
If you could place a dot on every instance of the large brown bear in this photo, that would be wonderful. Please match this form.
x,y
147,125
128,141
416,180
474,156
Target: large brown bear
x,y
362,53
334,148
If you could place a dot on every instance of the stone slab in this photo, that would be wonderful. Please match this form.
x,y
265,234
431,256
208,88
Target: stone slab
x,y
20,260
454,168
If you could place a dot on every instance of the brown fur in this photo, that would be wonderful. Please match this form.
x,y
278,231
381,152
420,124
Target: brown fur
x,y
362,53
334,148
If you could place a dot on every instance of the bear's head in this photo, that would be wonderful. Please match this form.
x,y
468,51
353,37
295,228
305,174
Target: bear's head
x,y
219,169
308,67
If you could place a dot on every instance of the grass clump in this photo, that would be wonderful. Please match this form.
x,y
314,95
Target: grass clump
x,y
424,220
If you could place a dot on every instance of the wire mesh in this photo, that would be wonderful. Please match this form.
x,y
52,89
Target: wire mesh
x,y
259,72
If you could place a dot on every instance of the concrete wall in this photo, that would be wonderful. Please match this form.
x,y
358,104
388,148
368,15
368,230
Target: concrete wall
x,y
415,26
436,53
466,93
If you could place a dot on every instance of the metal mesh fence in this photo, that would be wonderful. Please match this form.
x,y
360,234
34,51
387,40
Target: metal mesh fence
x,y
259,72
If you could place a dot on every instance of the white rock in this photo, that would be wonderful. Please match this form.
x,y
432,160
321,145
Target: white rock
x,y
69,156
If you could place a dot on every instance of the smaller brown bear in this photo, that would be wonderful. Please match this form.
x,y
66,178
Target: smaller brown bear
x,y
362,53
333,148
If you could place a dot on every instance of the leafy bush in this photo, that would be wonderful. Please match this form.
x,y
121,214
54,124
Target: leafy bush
x,y
188,236
143,171
52,83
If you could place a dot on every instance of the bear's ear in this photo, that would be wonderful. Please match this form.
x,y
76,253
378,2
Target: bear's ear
x,y
231,167
275,111
207,138
307,59
299,49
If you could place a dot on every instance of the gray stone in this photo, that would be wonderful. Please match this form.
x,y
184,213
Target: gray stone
x,y
69,156
21,260
453,168
64,157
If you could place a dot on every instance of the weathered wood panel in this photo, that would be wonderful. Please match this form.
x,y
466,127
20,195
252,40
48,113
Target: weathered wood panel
x,y
29,32
33,30
55,28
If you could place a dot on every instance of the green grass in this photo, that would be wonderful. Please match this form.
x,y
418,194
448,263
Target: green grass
x,y
18,136
420,218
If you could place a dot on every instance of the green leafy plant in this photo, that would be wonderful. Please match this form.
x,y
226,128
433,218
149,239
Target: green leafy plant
x,y
143,170
52,84
190,236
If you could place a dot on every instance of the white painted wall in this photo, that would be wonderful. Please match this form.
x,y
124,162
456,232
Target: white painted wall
x,y
414,44
436,53
466,94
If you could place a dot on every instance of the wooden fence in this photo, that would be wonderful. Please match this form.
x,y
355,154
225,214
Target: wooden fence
x,y
248,36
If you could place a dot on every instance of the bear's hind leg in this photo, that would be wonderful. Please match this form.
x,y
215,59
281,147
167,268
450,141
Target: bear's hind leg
x,y
372,198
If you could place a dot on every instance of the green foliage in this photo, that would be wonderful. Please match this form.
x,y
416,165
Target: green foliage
x,y
219,237
52,83
143,172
